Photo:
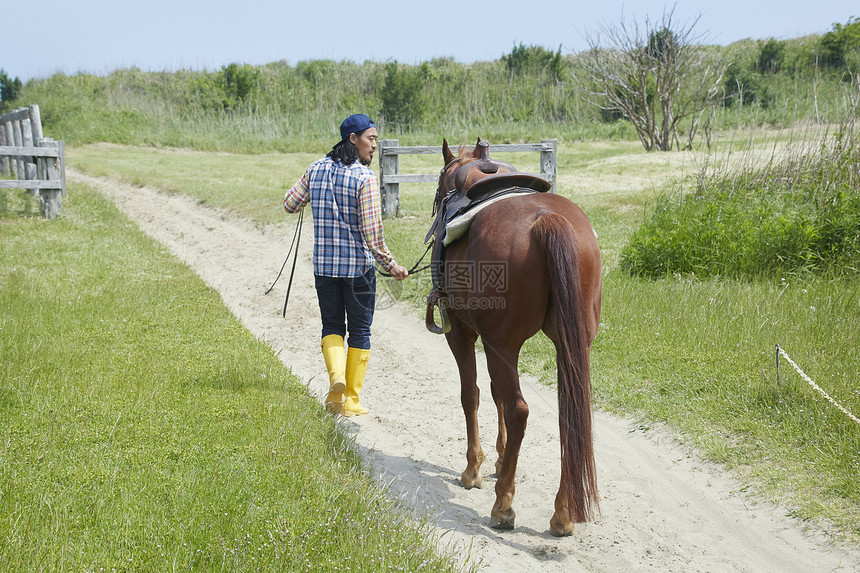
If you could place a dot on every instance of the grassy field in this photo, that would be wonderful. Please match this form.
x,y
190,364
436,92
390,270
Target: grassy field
x,y
144,429
698,355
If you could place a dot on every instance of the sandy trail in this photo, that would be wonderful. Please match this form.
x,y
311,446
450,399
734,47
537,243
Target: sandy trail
x,y
663,509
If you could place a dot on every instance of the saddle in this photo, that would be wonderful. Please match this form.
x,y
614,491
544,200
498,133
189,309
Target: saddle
x,y
479,191
478,184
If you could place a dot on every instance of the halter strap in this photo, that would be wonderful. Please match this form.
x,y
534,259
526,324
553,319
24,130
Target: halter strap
x,y
438,201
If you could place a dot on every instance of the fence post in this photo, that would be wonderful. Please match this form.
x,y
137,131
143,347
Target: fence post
x,y
28,140
50,200
36,136
35,123
4,162
389,165
549,162
18,142
10,141
61,165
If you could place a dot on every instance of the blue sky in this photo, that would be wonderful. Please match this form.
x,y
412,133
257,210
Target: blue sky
x,y
99,36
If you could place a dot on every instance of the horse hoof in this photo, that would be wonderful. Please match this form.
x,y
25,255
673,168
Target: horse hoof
x,y
560,528
471,480
505,522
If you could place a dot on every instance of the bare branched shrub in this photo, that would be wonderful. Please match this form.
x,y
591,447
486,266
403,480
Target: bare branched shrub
x,y
658,77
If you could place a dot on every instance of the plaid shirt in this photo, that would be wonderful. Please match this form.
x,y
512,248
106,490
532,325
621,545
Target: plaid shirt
x,y
347,217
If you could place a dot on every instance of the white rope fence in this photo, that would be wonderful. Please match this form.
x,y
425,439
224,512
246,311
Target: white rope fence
x,y
814,385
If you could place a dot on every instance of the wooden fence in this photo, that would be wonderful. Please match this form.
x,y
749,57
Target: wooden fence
x,y
33,162
390,176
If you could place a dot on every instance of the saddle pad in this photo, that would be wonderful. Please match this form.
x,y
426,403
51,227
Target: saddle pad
x,y
459,225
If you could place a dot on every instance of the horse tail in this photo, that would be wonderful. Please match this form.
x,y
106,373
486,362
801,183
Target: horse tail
x,y
578,469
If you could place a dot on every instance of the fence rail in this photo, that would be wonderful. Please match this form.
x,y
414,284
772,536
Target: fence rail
x,y
35,163
390,177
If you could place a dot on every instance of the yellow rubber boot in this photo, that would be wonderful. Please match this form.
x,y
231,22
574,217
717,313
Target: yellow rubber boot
x,y
356,368
335,362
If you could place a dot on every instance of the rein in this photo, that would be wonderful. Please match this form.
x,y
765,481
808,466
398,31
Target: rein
x,y
414,268
296,238
436,204
295,243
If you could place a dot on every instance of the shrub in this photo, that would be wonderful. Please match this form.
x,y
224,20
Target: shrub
x,y
799,213
237,83
534,60
836,46
745,87
286,107
770,55
9,89
403,103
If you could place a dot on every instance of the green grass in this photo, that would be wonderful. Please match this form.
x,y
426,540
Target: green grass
x,y
699,352
700,356
144,429
797,212
249,185
696,354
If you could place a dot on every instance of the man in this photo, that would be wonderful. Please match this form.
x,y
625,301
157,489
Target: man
x,y
348,238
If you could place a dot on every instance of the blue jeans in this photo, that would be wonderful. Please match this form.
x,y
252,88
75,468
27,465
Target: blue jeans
x,y
352,299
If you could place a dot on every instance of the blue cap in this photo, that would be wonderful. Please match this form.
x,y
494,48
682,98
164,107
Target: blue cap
x,y
355,123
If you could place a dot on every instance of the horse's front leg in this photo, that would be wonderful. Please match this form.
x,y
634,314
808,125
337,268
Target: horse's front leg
x,y
505,381
461,340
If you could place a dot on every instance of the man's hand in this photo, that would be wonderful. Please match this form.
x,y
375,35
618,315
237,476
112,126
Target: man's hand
x,y
398,272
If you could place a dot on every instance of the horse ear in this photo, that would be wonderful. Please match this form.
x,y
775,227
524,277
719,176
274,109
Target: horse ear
x,y
476,153
446,152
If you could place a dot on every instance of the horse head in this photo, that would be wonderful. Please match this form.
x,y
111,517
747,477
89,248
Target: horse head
x,y
463,170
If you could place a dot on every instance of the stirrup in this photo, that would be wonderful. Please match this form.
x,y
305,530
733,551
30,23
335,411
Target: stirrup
x,y
434,300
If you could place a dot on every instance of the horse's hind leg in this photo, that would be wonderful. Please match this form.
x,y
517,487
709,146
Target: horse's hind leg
x,y
462,344
505,381
561,524
502,435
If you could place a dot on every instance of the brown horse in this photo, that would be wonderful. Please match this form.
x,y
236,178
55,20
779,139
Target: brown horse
x,y
529,262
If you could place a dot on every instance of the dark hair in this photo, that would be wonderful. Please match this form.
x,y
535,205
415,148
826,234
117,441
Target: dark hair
x,y
345,151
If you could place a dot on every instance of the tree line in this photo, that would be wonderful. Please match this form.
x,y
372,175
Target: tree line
x,y
9,90
656,79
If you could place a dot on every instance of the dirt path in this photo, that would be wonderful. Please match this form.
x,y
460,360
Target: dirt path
x,y
663,508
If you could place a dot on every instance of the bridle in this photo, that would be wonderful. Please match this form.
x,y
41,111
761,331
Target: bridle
x,y
437,202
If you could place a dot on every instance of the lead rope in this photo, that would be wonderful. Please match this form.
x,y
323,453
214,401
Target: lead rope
x,y
296,238
436,204
414,268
